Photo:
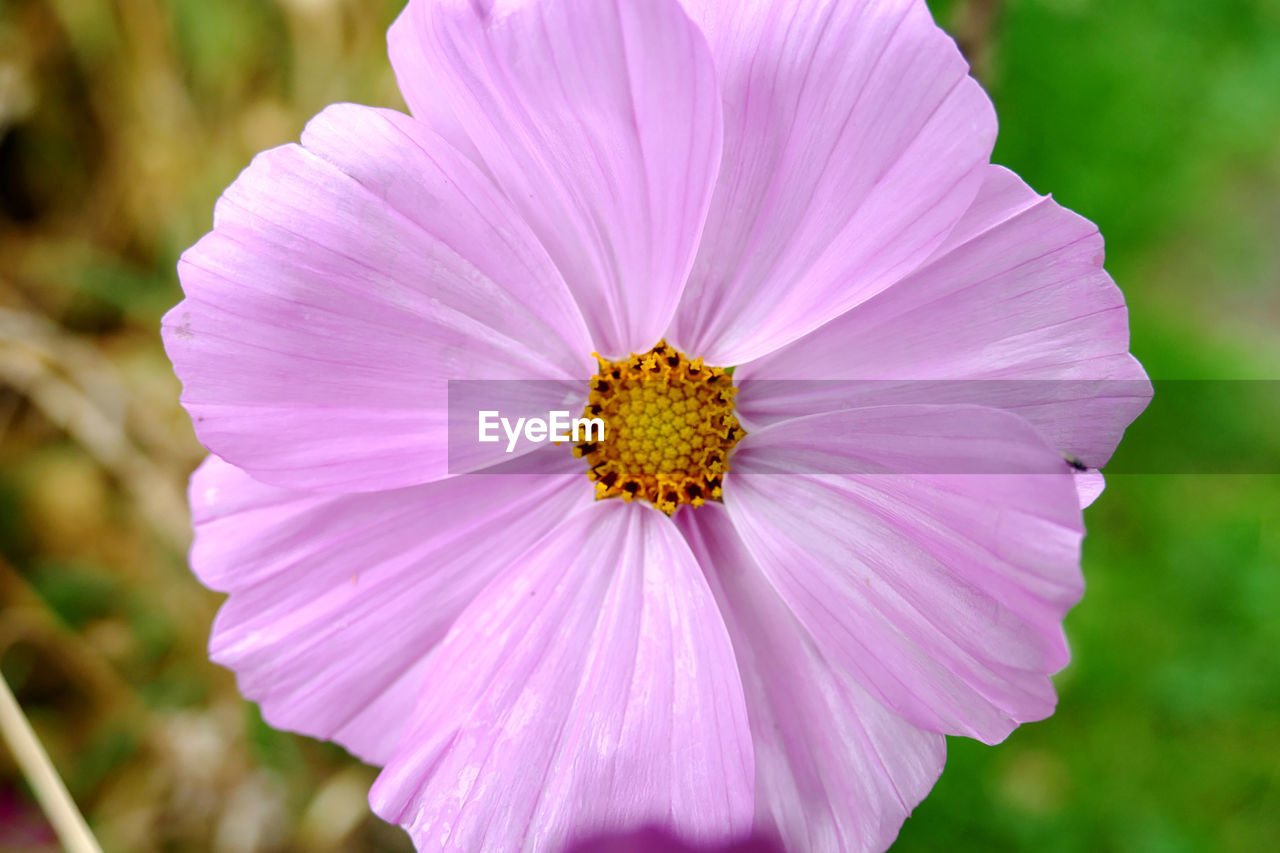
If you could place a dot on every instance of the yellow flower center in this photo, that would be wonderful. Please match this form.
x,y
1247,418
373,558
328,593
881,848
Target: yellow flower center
x,y
668,429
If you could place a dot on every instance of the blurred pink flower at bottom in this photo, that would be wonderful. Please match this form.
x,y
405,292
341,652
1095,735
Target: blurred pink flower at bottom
x,y
658,840
23,826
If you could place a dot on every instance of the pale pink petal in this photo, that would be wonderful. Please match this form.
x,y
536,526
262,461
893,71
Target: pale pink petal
x,y
345,281
416,77
592,688
942,588
1089,484
1015,311
601,120
835,769
854,141
337,601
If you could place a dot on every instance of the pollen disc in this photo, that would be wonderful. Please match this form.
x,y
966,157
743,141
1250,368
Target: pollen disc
x,y
668,429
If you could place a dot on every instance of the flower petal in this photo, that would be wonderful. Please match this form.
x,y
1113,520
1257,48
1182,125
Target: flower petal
x,y
1089,485
835,769
935,569
1014,312
602,122
854,141
337,601
344,282
590,689
416,77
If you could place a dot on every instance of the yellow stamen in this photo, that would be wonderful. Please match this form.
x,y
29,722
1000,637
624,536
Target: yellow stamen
x,y
669,427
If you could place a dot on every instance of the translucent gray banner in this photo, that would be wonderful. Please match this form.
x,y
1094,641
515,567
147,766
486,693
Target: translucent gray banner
x,y
907,426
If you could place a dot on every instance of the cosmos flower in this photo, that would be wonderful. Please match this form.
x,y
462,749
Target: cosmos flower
x,y
763,604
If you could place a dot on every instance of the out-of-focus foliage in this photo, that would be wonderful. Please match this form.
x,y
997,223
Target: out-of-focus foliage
x,y
1159,120
120,123
122,120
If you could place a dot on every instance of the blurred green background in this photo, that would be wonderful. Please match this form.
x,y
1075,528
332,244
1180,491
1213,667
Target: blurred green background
x,y
122,120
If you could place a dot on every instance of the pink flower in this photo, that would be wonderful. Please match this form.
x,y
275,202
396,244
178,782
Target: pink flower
x,y
799,189
658,840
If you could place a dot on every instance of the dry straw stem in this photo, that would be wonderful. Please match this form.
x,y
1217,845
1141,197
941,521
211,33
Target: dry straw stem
x,y
40,773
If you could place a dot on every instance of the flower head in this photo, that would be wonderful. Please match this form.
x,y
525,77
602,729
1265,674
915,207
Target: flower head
x,y
670,425
776,588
